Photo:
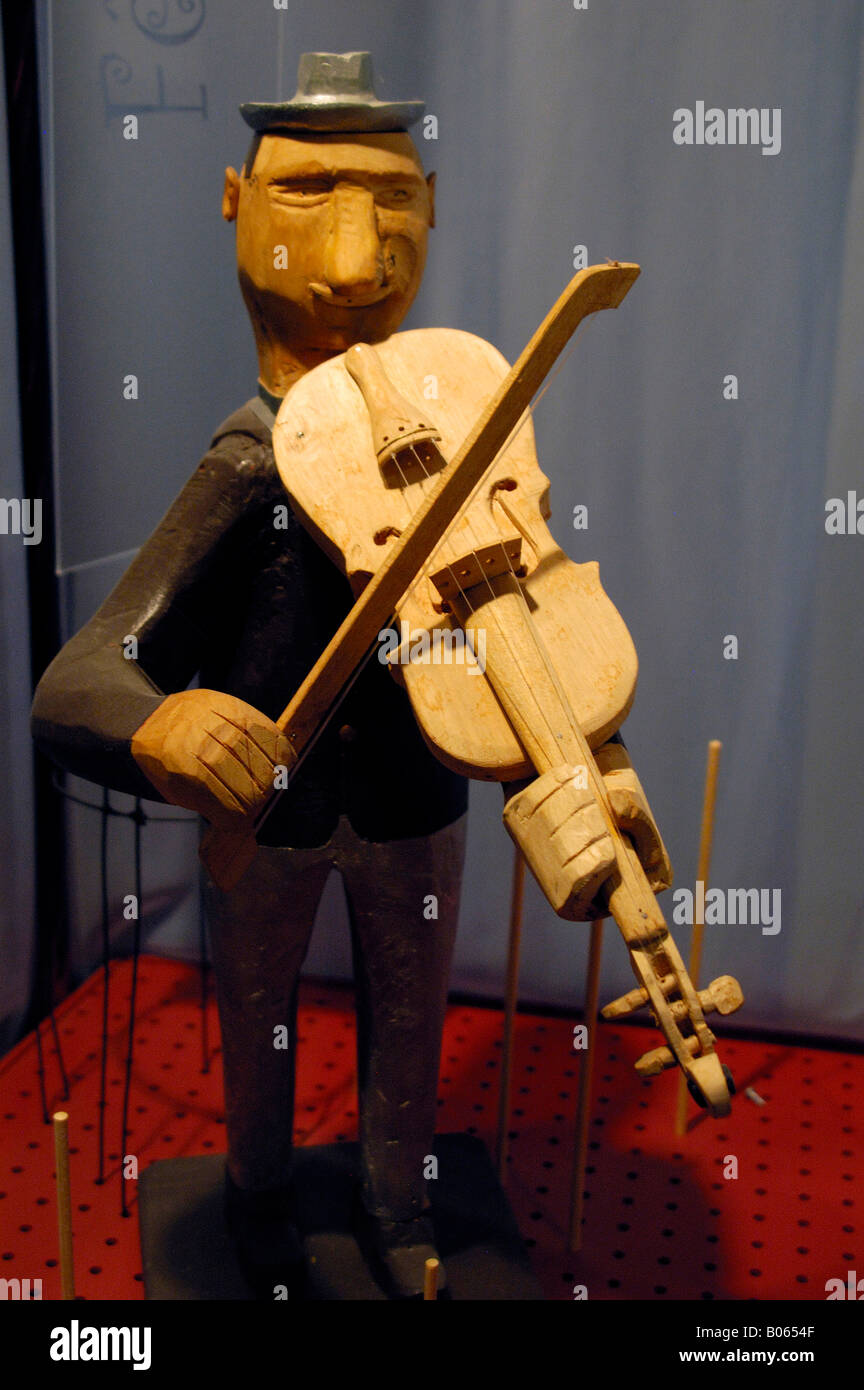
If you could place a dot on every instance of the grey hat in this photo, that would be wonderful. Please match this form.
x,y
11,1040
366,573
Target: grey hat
x,y
335,91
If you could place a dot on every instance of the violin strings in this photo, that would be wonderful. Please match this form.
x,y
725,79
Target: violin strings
x,y
527,415
463,516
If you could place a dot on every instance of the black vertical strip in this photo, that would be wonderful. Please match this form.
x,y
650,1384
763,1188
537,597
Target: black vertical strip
x,y
106,961
139,819
34,377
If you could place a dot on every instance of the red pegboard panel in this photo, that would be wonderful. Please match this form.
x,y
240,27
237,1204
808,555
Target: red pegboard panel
x,y
661,1220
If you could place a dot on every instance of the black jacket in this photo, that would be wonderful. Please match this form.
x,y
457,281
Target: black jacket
x,y
219,592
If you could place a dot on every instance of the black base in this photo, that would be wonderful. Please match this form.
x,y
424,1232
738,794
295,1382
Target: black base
x,y
187,1253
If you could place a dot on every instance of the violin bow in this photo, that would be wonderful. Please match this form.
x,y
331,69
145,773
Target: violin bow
x,y
228,852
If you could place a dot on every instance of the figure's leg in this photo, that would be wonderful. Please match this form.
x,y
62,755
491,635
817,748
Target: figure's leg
x,y
260,934
403,904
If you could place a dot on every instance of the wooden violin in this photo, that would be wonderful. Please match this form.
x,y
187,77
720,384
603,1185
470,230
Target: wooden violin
x,y
412,464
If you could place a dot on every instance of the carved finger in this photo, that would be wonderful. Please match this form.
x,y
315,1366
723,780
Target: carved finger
x,y
267,740
228,784
239,752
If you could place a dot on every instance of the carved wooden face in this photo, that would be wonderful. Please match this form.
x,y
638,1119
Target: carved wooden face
x,y
331,236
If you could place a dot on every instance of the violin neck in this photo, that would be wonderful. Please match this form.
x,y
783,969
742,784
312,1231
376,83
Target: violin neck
x,y
523,677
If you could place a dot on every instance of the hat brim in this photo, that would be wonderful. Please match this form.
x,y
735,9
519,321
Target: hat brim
x,y
328,115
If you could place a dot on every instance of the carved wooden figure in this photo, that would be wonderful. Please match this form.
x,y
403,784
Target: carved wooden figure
x,y
426,516
332,212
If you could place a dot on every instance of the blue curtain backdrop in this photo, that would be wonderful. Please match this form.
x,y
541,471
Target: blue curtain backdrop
x,y
16,805
554,131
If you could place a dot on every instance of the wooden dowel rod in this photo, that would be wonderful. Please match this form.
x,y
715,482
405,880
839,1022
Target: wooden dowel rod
x,y
430,1280
517,897
592,989
703,873
64,1203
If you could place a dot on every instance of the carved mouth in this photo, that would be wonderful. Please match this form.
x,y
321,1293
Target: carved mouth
x,y
354,301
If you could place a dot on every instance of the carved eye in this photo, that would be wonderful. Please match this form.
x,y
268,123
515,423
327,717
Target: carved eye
x,y
393,197
302,192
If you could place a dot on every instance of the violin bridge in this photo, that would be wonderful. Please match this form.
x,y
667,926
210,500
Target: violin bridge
x,y
486,562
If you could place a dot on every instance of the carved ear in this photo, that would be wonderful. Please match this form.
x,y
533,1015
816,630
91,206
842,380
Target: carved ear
x,y
430,184
230,194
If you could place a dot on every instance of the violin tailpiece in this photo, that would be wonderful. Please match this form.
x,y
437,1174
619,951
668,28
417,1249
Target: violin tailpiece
x,y
398,430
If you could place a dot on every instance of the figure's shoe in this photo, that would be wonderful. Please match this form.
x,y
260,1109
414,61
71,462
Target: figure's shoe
x,y
398,1250
263,1229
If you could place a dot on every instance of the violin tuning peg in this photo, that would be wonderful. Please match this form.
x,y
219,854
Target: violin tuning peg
x,y
652,1063
723,994
627,1004
635,999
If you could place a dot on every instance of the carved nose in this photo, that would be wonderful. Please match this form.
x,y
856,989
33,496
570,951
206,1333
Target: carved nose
x,y
354,262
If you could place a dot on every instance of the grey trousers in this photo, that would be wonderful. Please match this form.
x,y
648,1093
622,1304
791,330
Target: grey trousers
x,y
403,902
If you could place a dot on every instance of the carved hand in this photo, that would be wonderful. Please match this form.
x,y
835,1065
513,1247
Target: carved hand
x,y
633,813
211,753
560,829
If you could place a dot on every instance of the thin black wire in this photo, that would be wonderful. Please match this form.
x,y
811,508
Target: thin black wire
x,y
106,954
40,1064
40,1071
61,1064
139,819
